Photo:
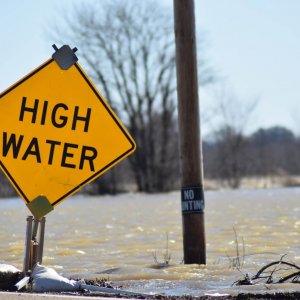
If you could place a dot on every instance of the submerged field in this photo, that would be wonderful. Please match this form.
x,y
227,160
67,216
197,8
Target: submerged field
x,y
124,237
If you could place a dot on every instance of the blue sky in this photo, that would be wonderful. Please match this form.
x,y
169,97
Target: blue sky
x,y
253,45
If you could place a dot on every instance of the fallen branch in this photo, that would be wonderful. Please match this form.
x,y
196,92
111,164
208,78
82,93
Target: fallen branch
x,y
272,273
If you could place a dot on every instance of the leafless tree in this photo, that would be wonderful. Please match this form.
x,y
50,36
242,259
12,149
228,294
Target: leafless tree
x,y
128,49
6,189
230,155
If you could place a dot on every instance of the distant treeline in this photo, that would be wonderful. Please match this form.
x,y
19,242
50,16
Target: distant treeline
x,y
228,158
267,152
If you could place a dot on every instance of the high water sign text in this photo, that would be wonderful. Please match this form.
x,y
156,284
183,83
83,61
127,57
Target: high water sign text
x,y
57,133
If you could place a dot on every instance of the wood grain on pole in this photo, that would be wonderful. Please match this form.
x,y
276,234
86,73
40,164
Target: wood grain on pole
x,y
189,126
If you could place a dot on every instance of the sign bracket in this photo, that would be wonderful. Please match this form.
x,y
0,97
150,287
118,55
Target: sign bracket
x,y
40,206
65,56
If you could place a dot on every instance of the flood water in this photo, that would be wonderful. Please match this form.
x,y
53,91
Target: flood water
x,y
117,237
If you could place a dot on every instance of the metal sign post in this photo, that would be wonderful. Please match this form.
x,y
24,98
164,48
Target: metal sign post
x,y
34,244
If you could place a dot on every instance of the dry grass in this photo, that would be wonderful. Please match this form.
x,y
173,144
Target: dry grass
x,y
237,261
166,255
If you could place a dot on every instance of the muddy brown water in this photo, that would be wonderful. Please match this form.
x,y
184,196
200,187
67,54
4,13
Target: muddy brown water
x,y
117,237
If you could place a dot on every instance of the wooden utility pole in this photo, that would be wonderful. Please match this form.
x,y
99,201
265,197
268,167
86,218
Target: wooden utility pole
x,y
192,195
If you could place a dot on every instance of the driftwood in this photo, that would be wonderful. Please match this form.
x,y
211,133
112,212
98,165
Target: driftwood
x,y
273,273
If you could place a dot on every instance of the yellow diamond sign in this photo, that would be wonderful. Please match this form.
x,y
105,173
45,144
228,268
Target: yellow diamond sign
x,y
57,134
